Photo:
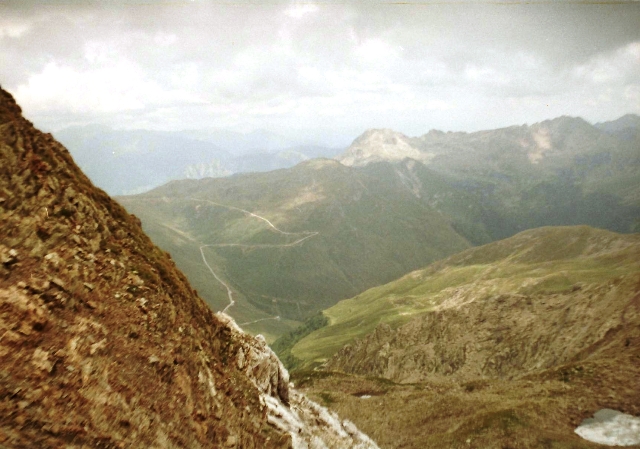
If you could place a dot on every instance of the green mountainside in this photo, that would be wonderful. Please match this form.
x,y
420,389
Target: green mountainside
x,y
563,171
291,242
317,233
512,344
534,273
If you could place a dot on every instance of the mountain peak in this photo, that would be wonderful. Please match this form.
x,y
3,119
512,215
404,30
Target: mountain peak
x,y
377,145
625,127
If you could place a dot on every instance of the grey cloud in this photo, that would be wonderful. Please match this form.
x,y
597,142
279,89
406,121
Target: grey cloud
x,y
249,64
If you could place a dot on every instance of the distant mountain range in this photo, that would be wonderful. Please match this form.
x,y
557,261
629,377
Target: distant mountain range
x,y
560,171
360,228
387,214
134,161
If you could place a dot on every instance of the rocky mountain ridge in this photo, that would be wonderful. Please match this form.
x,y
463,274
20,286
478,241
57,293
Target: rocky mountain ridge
x,y
484,328
532,143
103,342
563,171
377,145
524,303
512,344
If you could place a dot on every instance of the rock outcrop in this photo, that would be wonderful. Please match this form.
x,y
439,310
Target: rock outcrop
x,y
377,145
486,328
103,343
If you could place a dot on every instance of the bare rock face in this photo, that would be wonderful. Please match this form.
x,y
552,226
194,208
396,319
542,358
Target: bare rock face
x,y
482,330
103,343
309,424
378,145
502,337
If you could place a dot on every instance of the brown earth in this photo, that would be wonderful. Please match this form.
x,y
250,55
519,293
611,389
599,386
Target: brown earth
x,y
539,410
104,344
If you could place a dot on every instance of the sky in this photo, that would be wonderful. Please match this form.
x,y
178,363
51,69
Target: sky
x,y
319,72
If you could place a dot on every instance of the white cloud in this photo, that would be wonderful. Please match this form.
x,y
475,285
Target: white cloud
x,y
281,65
165,39
373,51
619,66
300,10
114,88
13,30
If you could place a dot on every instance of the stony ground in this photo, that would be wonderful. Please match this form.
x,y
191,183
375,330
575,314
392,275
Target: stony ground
x,y
535,411
104,344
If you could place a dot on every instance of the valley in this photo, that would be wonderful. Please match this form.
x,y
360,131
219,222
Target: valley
x,y
399,204
323,239
504,337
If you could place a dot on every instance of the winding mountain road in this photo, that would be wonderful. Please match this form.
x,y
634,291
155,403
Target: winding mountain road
x,y
305,235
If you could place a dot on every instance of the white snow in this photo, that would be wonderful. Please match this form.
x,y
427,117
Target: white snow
x,y
611,428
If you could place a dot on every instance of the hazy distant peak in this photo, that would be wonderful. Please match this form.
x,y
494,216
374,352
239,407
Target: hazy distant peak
x,y
320,163
380,132
626,122
377,145
566,124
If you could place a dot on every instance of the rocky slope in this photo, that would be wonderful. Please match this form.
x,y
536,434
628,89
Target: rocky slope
x,y
103,343
501,320
377,145
533,291
512,344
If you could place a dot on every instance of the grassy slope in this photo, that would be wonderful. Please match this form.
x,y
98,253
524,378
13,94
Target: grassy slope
x,y
540,260
166,227
370,230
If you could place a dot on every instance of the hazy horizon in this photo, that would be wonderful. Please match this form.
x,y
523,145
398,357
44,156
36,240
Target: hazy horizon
x,y
319,72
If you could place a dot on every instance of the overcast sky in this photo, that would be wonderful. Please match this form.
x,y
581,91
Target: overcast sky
x,y
319,71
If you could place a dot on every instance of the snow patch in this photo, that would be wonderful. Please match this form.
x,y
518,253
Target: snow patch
x,y
611,428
